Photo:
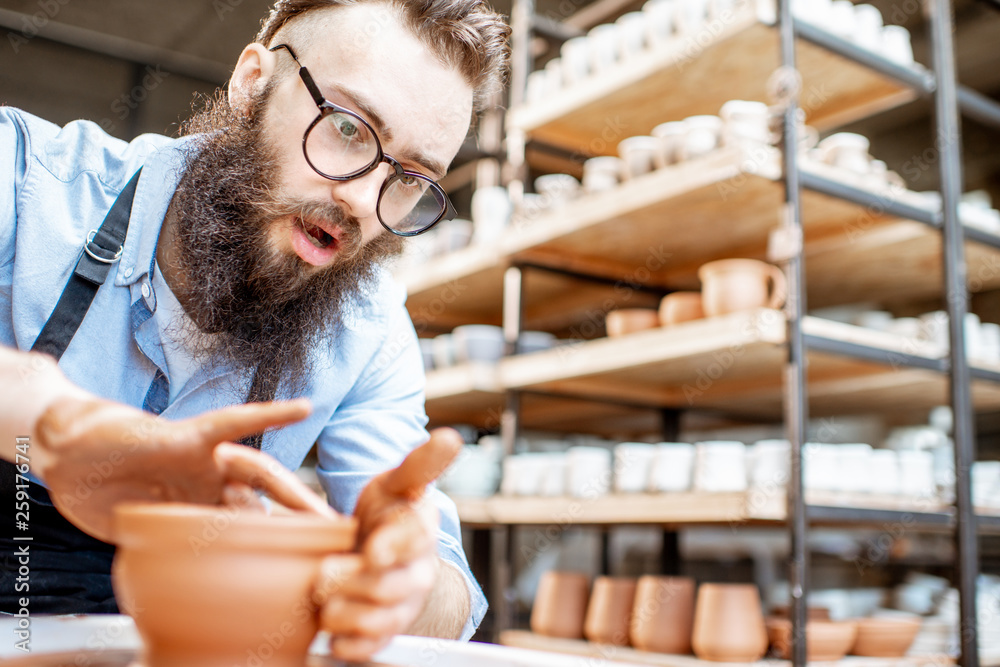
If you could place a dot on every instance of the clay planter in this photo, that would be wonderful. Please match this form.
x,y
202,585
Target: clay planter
x,y
825,640
213,586
729,624
681,307
662,614
733,285
560,605
630,320
885,637
610,610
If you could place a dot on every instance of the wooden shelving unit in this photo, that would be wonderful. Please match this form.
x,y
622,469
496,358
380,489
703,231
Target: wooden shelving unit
x,y
732,57
668,223
730,364
607,652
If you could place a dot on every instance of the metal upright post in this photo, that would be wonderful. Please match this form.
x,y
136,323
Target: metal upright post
x,y
786,86
949,144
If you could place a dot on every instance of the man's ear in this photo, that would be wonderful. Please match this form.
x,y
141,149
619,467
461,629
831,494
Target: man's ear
x,y
253,71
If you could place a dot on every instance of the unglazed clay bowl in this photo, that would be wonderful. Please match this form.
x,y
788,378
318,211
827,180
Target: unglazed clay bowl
x,y
629,320
885,637
826,640
211,586
681,307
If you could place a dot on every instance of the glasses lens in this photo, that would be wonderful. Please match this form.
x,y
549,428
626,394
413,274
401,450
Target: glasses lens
x,y
341,144
411,203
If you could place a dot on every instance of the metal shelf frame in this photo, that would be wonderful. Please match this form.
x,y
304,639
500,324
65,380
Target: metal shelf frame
x,y
950,100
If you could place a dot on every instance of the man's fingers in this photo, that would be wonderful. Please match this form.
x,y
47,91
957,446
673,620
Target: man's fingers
x,y
264,473
424,464
356,649
238,421
238,494
394,586
335,574
344,618
398,542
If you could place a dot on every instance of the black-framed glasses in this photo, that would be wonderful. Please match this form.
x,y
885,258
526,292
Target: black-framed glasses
x,y
341,145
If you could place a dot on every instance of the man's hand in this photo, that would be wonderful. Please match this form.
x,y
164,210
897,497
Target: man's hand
x,y
96,453
384,590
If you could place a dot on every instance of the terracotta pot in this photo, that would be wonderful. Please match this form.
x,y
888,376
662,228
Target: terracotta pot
x,y
629,320
210,586
662,614
610,610
732,285
885,637
560,604
825,640
729,623
681,307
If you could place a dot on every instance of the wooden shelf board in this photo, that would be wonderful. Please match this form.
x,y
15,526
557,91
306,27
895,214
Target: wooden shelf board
x,y
613,654
687,78
732,363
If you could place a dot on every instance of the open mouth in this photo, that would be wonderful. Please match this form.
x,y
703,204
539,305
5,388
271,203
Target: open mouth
x,y
318,237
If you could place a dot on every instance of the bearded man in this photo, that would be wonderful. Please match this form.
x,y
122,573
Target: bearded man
x,y
252,270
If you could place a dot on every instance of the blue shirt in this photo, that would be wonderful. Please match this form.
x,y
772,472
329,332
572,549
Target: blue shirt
x,y
367,387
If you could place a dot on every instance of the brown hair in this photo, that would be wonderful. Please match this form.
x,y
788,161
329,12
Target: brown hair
x,y
466,34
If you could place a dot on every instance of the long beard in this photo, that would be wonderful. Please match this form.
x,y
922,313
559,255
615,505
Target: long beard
x,y
265,309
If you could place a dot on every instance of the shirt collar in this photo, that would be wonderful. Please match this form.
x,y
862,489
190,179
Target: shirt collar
x,y
161,174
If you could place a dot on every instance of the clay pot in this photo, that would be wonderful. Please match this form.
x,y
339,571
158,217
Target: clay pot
x,y
885,637
729,624
681,307
662,614
733,285
630,320
610,610
560,604
210,586
825,640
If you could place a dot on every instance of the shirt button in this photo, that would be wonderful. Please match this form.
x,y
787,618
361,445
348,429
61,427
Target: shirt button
x,y
145,290
128,272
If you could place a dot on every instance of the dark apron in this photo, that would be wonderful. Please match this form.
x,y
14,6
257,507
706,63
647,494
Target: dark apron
x,y
69,572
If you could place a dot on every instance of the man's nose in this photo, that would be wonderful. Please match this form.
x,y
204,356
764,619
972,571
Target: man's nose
x,y
359,196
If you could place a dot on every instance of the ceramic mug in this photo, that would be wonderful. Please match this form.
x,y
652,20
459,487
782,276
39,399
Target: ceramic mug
x,y
733,285
745,122
560,604
631,34
729,623
896,44
679,307
846,150
639,155
662,614
602,173
701,136
671,138
672,467
575,57
661,21
610,610
633,461
603,42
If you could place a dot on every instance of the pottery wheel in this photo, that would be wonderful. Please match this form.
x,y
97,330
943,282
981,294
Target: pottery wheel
x,y
129,658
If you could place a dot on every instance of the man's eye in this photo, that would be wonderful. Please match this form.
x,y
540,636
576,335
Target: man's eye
x,y
347,128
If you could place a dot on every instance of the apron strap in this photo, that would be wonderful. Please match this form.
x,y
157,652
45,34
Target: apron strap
x,y
102,250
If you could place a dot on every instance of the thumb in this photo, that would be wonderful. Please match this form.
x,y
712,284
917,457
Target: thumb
x,y
424,464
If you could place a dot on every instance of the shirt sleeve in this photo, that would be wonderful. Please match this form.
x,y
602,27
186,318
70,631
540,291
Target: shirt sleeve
x,y
378,423
12,170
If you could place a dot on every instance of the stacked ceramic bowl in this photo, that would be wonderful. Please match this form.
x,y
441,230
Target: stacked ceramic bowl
x,y
478,343
660,25
859,24
982,339
847,153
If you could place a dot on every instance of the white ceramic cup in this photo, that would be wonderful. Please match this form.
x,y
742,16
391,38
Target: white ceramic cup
x,y
557,189
554,477
896,45
745,122
671,138
443,349
661,22
478,342
535,341
633,461
672,467
474,474
588,471
701,136
846,150
638,154
769,463
691,16
916,473
491,211
602,173
989,334
868,27
854,461
631,35
575,57
603,42
884,478
986,483
879,320
816,12
821,467
720,466
841,20
537,86
427,352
